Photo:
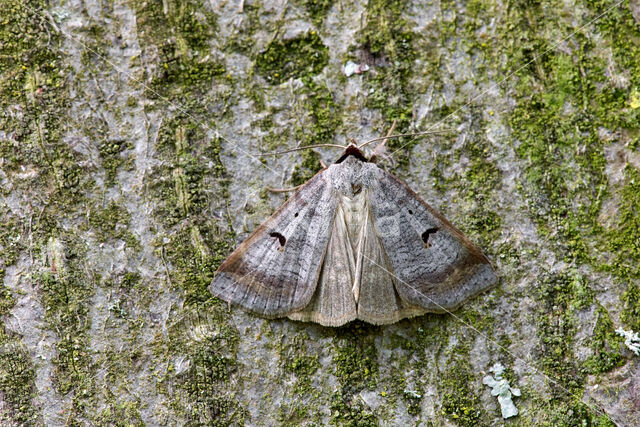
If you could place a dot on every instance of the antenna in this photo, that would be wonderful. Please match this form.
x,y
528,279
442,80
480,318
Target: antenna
x,y
304,148
383,138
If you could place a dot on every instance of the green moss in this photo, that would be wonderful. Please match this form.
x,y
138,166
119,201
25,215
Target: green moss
x,y
356,367
295,414
299,363
183,147
560,297
325,117
413,400
195,249
317,9
193,268
622,33
623,238
569,148
386,39
630,314
96,44
209,366
356,356
111,153
202,386
605,344
571,412
32,81
182,35
476,185
480,320
186,73
188,179
243,40
121,414
201,391
440,181
325,114
353,414
460,401
299,57
130,280
432,331
192,247
11,244
296,360
402,380
6,299
565,182
305,170
66,297
17,382
110,222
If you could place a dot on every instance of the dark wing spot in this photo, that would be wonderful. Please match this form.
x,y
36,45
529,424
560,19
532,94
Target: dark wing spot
x,y
425,236
279,236
410,212
295,214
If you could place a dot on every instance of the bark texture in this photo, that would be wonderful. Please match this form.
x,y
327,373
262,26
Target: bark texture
x,y
132,136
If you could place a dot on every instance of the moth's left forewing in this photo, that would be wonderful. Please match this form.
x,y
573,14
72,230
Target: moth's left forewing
x,y
275,270
437,266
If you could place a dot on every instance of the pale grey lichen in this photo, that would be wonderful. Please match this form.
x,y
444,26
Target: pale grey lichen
x,y
631,340
412,393
500,387
351,68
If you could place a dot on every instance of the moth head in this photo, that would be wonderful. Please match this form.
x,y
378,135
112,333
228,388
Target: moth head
x,y
352,150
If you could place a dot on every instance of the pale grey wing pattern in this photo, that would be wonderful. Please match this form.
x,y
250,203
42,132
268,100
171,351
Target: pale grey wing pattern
x,y
333,303
379,302
275,270
436,266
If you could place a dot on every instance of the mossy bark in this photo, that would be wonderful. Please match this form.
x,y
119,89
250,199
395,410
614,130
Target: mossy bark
x,y
132,136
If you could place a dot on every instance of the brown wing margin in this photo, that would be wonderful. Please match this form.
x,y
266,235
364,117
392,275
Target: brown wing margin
x,y
437,266
275,270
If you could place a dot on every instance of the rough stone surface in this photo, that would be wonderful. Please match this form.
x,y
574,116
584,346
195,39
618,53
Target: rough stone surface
x,y
132,142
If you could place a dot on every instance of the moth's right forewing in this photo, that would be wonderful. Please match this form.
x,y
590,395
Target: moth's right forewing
x,y
275,270
437,266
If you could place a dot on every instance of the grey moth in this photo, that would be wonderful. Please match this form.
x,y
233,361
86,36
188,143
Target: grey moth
x,y
353,242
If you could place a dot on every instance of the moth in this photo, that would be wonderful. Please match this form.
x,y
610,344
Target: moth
x,y
353,242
